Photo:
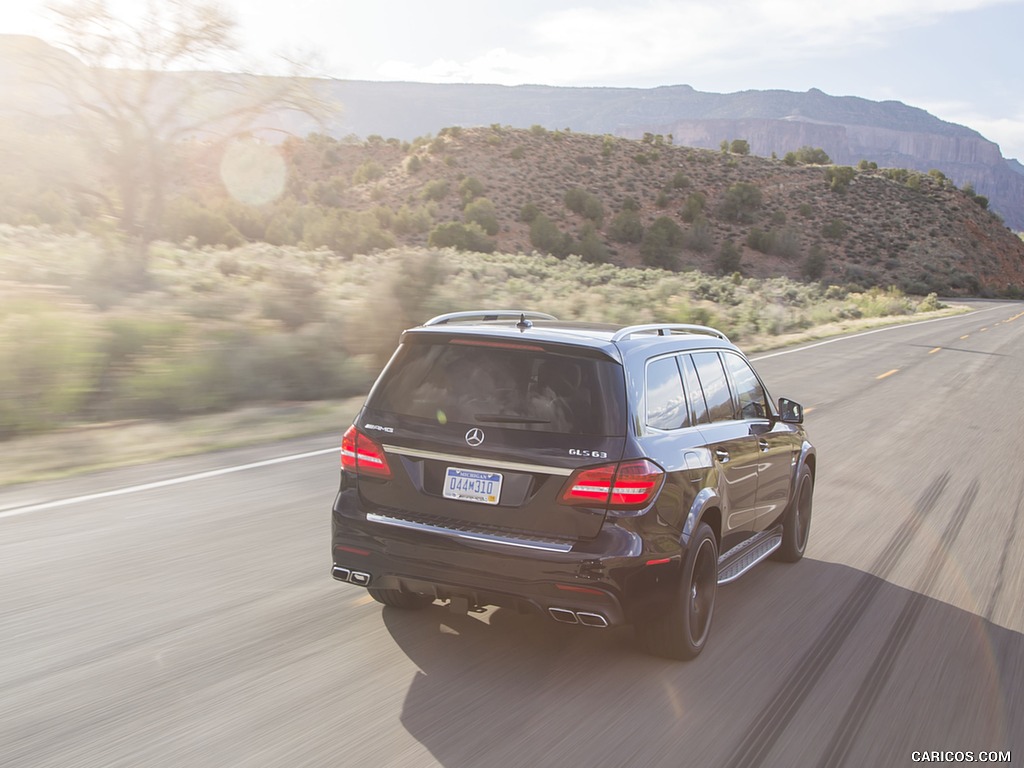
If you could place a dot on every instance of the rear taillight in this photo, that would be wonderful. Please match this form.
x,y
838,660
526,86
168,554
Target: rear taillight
x,y
362,455
626,485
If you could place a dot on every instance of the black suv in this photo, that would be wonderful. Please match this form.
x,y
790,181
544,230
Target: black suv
x,y
596,474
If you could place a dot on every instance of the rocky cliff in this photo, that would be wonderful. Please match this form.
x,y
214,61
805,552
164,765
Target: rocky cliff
x,y
964,156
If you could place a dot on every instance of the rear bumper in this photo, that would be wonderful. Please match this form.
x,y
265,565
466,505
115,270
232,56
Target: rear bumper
x,y
608,581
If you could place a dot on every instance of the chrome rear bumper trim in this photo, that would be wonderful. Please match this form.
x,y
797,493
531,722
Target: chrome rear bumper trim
x,y
489,538
478,461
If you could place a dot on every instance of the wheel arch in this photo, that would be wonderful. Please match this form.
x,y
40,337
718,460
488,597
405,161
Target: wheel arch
x,y
707,508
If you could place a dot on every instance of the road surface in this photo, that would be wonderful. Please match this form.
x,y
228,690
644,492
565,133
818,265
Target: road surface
x,y
182,613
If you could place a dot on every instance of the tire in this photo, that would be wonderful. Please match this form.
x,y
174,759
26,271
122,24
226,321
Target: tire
x,y
796,523
682,630
396,598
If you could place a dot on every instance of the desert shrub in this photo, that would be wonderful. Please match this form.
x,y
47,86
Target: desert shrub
x,y
528,212
346,232
838,177
464,237
626,227
760,240
48,356
482,212
411,221
661,243
590,247
436,189
700,236
693,207
812,156
414,164
470,188
292,297
546,237
185,218
836,229
786,243
814,265
368,171
586,204
741,202
728,259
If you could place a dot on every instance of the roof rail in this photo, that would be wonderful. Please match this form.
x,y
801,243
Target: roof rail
x,y
667,329
488,314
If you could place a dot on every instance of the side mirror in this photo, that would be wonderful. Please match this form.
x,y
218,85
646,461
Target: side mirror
x,y
790,412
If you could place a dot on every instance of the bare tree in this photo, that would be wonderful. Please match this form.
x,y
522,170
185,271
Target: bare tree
x,y
133,89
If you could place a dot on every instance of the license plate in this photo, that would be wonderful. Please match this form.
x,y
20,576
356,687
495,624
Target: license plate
x,y
472,485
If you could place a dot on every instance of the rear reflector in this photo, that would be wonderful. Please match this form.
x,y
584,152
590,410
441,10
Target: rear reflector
x,y
362,455
582,590
626,485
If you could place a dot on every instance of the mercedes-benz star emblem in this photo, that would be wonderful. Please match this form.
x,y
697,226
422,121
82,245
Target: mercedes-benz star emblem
x,y
475,436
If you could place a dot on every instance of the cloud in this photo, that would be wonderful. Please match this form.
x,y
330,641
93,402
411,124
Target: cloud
x,y
646,41
1007,132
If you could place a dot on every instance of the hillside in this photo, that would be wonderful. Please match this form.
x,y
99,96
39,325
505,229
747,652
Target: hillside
x,y
848,128
875,227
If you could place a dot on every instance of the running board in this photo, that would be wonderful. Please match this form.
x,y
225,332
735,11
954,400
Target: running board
x,y
747,554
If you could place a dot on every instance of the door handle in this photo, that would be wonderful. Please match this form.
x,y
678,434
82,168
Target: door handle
x,y
762,444
722,454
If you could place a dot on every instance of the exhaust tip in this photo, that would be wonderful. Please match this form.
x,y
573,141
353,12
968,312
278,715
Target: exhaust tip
x,y
352,577
592,619
563,615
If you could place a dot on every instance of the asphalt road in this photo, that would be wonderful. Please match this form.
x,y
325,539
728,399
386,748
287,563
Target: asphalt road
x,y
182,613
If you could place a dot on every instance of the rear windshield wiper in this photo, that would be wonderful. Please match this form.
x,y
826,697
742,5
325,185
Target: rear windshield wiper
x,y
497,418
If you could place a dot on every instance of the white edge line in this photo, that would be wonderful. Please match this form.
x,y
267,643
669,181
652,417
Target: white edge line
x,y
14,512
868,333
26,510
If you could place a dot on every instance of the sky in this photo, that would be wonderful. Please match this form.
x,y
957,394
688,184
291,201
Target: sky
x,y
961,60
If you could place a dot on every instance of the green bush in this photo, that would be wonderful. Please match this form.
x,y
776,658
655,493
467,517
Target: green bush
x,y
185,218
48,362
546,237
661,243
728,259
839,177
693,207
741,201
436,189
586,204
470,188
368,171
626,227
464,237
482,212
700,236
528,212
590,247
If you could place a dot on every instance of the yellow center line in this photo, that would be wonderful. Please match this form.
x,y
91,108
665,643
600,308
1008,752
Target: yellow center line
x,y
983,330
364,600
808,410
933,351
887,374
965,336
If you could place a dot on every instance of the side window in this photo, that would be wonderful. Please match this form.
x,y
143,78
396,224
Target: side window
x,y
753,403
666,404
694,394
715,386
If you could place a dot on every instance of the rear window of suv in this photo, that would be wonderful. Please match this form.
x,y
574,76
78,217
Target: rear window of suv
x,y
527,387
